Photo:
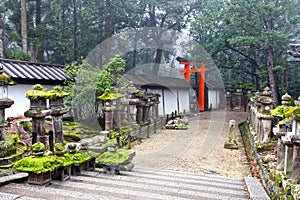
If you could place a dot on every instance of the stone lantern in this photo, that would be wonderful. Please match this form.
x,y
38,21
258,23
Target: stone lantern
x,y
283,143
111,101
140,106
38,111
56,103
133,101
265,119
5,102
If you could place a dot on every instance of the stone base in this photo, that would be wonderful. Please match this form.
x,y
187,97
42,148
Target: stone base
x,y
62,174
39,179
90,165
76,169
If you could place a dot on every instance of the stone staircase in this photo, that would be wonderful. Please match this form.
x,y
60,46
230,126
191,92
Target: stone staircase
x,y
141,183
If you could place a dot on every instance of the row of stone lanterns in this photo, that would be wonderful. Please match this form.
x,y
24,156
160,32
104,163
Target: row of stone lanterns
x,y
288,135
260,107
131,106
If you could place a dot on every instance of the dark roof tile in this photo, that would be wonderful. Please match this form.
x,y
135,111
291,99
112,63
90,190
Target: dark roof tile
x,y
33,71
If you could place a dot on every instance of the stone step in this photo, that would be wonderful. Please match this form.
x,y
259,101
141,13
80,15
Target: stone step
x,y
162,186
142,183
191,175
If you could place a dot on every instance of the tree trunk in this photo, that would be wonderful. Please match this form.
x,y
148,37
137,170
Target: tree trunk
x,y
157,62
270,58
24,26
32,52
270,65
39,47
1,38
75,29
108,32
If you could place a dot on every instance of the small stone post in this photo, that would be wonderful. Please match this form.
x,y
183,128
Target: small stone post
x,y
288,155
146,109
139,112
280,150
156,106
4,103
124,103
116,117
108,117
296,161
132,102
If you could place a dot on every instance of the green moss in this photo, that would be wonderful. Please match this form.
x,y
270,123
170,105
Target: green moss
x,y
38,147
112,158
57,93
180,126
278,111
37,92
78,157
4,77
72,137
14,138
37,87
38,164
66,160
59,147
293,111
107,96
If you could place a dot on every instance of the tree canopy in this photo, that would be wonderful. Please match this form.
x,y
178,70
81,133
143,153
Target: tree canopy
x,y
247,39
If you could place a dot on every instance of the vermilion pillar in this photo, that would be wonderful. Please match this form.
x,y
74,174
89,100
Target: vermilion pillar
x,y
201,89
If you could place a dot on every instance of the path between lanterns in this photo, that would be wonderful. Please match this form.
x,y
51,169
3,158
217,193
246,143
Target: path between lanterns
x,y
171,164
198,149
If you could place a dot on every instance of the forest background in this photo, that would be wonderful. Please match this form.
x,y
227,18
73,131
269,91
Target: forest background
x,y
247,39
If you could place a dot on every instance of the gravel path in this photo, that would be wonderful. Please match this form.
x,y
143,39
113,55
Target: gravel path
x,y
198,149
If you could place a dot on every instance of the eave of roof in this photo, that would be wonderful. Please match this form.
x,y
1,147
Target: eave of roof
x,y
24,71
168,82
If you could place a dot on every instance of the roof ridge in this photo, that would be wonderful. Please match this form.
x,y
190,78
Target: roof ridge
x,y
30,62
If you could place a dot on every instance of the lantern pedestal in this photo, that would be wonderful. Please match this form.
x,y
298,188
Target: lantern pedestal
x,y
39,179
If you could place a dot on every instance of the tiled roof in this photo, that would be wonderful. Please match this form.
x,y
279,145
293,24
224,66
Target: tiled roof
x,y
158,81
33,72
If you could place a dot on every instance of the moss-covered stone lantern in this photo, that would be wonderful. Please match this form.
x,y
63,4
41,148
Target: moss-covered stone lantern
x,y
56,97
38,111
110,102
5,102
38,97
57,110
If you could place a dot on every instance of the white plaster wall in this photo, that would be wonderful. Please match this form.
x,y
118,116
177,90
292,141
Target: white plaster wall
x,y
17,94
184,100
170,101
213,98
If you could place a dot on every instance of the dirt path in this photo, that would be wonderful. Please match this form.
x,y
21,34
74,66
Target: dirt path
x,y
198,149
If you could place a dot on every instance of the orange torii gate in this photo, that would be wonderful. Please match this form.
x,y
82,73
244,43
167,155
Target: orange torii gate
x,y
201,89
